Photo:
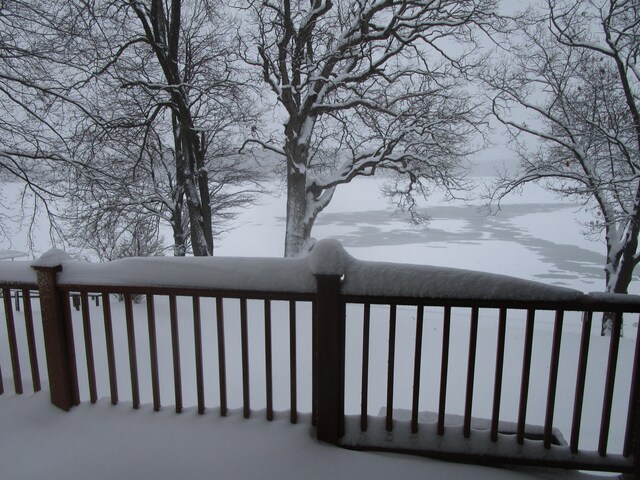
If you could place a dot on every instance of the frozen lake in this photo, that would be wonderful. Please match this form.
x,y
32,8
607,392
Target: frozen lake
x,y
534,235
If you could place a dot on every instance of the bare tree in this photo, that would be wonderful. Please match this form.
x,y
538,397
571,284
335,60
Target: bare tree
x,y
112,239
575,74
366,86
36,102
136,185
164,82
141,183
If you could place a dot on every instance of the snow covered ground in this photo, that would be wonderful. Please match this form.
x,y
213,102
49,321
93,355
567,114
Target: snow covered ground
x,y
104,442
533,237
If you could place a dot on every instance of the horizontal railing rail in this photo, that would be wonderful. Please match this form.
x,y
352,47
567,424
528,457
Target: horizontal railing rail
x,y
589,303
461,365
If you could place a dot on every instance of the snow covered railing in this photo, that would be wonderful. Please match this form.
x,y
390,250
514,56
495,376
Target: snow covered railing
x,y
447,356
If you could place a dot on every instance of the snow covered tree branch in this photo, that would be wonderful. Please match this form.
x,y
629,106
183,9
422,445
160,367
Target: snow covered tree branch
x,y
165,83
575,73
368,86
36,104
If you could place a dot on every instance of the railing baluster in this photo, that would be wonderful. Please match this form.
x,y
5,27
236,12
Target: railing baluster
x,y
66,308
314,363
222,369
364,400
417,362
88,347
391,366
31,340
497,387
153,352
553,378
609,384
244,337
444,369
197,333
580,381
1,382
471,368
293,362
133,358
13,345
175,348
526,374
73,364
268,360
111,357
632,432
343,349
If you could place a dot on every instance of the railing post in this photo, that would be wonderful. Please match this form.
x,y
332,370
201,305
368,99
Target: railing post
x,y
58,337
328,263
329,360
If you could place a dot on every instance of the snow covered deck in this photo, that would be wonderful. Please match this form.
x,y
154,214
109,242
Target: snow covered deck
x,y
473,326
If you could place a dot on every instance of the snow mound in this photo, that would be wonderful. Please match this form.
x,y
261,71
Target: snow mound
x,y
328,257
400,280
52,258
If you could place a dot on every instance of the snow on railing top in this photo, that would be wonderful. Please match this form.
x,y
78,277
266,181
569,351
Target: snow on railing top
x,y
17,272
381,279
297,275
52,258
400,280
227,273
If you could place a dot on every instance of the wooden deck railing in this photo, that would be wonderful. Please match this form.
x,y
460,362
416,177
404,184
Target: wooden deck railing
x,y
322,331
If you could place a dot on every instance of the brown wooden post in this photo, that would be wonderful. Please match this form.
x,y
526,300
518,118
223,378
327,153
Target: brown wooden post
x,y
329,359
58,340
328,262
632,435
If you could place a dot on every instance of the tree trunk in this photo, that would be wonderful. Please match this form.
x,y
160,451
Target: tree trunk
x,y
298,225
205,203
178,226
619,273
196,220
185,163
179,247
179,236
189,154
301,213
